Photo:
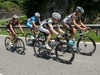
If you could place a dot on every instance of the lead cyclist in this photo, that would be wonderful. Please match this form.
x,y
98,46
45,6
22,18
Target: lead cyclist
x,y
74,19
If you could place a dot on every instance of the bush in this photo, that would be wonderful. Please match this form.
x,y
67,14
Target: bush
x,y
22,20
9,6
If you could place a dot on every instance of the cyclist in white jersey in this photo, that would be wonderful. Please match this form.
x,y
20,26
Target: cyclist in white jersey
x,y
74,19
47,26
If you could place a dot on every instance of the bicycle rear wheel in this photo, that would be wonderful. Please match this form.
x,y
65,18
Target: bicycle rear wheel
x,y
28,39
64,52
19,46
7,44
86,45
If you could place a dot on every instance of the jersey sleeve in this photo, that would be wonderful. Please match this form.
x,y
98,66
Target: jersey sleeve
x,y
10,22
50,22
33,19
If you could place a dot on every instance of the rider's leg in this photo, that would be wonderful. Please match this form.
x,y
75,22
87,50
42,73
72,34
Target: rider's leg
x,y
11,37
34,30
73,32
48,37
72,36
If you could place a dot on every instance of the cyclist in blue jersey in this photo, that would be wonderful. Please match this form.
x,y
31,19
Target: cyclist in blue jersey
x,y
32,23
10,27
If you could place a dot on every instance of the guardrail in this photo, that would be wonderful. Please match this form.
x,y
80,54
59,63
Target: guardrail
x,y
92,26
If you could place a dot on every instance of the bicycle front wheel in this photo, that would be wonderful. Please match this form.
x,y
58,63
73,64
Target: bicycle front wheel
x,y
39,48
7,44
86,45
28,39
64,52
19,46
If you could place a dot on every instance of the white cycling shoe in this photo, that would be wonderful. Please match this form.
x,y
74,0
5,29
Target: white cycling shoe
x,y
47,46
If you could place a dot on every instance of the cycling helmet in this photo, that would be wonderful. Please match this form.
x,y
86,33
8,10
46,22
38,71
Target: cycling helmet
x,y
14,16
79,9
56,15
37,14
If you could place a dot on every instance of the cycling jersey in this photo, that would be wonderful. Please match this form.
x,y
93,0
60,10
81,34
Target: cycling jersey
x,y
68,19
47,22
11,22
32,20
45,25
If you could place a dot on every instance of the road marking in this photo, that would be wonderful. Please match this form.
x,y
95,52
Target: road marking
x,y
1,74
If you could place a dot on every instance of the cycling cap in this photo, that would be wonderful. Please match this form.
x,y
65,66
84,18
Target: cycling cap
x,y
37,14
14,16
80,9
56,15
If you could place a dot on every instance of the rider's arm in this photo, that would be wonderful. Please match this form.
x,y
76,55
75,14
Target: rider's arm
x,y
20,27
82,24
33,22
60,30
74,22
39,21
34,25
66,25
52,29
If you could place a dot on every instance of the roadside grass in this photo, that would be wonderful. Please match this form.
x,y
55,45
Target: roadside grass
x,y
92,34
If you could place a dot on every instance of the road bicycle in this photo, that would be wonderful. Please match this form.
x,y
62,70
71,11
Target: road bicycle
x,y
63,51
17,45
84,44
28,37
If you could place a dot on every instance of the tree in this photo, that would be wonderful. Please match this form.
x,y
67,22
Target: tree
x,y
64,7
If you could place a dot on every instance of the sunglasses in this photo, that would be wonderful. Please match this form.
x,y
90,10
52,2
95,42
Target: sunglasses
x,y
15,19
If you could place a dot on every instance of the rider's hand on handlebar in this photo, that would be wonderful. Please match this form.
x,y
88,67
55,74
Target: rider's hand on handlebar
x,y
84,29
59,36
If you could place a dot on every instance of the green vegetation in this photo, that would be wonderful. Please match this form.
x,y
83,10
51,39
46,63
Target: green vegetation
x,y
9,6
64,7
22,20
91,34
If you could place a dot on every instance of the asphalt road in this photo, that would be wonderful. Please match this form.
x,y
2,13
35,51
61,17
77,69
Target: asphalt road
x,y
28,64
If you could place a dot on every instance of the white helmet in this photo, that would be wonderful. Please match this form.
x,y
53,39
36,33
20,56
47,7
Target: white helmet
x,y
56,15
37,14
79,9
14,16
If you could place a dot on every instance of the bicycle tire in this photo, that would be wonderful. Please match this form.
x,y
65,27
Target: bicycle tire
x,y
19,46
28,39
87,45
42,36
39,48
64,52
8,47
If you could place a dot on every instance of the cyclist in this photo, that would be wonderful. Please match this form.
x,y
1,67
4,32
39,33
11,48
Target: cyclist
x,y
10,27
47,26
74,19
32,23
